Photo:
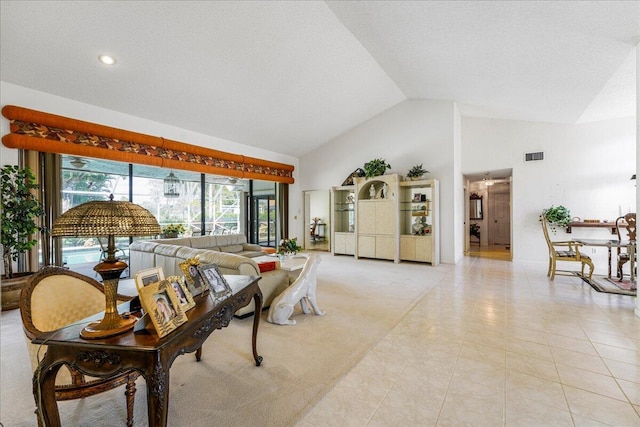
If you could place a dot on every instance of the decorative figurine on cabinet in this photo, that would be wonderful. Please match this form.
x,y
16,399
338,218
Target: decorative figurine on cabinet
x,y
372,192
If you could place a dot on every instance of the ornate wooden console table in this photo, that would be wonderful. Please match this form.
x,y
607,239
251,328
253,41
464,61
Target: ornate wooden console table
x,y
143,350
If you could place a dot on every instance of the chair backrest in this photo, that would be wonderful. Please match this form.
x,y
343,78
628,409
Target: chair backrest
x,y
55,297
630,226
545,230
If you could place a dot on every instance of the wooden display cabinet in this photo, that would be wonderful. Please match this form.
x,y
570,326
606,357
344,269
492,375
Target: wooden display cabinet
x,y
419,221
343,225
377,217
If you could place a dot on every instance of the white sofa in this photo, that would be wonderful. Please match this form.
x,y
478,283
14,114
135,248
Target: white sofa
x,y
158,253
230,243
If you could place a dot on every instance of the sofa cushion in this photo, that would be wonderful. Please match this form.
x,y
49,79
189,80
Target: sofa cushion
x,y
231,248
249,254
203,242
179,241
230,239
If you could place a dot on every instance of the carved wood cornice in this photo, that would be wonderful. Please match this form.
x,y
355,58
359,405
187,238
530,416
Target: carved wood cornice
x,y
40,131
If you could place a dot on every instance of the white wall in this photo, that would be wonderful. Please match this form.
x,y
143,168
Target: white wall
x,y
586,168
412,132
16,95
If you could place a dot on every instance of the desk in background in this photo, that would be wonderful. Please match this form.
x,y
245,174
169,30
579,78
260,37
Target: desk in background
x,y
143,350
609,225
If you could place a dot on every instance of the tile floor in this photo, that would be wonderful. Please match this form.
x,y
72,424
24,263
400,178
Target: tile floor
x,y
497,344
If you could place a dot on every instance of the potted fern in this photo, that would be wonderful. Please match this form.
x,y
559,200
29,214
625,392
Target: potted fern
x,y
20,215
416,173
375,167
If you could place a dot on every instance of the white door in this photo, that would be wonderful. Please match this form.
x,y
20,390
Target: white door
x,y
500,222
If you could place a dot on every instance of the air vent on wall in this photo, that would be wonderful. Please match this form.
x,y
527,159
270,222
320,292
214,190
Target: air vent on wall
x,y
529,157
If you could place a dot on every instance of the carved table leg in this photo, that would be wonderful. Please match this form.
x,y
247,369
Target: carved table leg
x,y
157,394
257,298
198,354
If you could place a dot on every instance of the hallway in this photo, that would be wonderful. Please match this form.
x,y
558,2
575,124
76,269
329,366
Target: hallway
x,y
490,251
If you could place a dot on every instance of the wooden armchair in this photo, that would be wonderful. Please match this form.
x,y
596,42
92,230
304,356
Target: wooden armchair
x,y
564,251
630,227
56,297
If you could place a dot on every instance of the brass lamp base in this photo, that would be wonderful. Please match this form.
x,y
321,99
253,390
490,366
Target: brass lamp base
x,y
112,323
107,328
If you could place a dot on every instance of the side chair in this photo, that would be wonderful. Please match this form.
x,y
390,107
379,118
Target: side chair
x,y
55,297
564,251
630,227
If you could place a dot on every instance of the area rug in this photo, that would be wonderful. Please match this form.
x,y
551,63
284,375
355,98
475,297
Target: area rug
x,y
364,300
611,286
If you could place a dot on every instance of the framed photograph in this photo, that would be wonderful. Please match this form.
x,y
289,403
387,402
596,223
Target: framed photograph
x,y
160,301
192,276
417,197
182,292
216,281
148,276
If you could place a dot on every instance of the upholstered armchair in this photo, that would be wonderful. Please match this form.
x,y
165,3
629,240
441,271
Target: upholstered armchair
x,y
56,297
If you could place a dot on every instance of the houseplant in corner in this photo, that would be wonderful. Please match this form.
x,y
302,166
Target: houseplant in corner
x,y
557,216
416,172
375,167
19,217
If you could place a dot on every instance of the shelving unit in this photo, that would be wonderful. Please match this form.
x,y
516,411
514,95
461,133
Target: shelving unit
x,y
377,217
386,218
343,225
419,221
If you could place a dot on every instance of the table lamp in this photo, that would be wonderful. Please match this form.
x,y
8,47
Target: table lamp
x,y
108,218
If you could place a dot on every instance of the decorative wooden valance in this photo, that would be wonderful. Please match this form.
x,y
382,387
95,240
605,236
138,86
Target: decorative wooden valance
x,y
39,131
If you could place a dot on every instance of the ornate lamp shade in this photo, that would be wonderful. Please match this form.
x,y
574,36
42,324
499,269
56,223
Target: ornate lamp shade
x,y
102,218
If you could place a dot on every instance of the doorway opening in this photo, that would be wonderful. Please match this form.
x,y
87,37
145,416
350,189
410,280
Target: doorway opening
x,y
317,220
488,219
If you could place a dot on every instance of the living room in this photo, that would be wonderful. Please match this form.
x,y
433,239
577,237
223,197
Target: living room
x,y
587,160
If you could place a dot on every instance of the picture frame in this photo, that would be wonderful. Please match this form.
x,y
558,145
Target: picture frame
x,y
192,276
148,276
160,301
215,280
417,197
182,292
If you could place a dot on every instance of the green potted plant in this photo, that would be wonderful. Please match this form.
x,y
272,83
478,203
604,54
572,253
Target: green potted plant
x,y
416,172
375,167
557,216
289,247
173,230
20,215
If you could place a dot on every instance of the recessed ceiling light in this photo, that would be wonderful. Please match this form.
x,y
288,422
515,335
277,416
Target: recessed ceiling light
x,y
106,59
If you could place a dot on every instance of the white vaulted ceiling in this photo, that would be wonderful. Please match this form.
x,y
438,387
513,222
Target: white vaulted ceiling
x,y
290,76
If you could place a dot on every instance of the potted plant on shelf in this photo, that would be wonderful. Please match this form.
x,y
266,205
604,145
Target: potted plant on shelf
x,y
20,215
375,167
172,230
416,172
557,216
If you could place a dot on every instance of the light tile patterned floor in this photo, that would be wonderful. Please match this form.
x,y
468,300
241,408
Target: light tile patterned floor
x,y
495,344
